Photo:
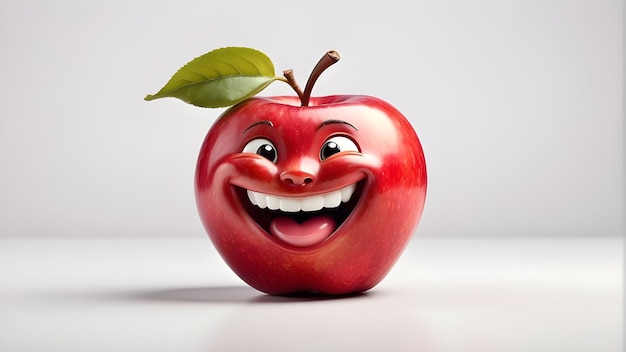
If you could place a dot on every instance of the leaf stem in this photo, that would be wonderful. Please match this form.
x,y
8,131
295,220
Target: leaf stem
x,y
330,58
291,79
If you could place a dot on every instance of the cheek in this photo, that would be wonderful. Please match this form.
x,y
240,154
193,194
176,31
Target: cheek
x,y
252,167
350,168
217,187
239,169
218,202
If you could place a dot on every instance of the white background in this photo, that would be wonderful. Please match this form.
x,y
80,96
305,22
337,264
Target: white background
x,y
517,103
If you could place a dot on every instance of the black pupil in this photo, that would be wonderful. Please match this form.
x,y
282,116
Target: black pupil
x,y
267,151
329,149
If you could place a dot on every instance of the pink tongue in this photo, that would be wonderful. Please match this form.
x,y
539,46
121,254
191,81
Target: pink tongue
x,y
310,232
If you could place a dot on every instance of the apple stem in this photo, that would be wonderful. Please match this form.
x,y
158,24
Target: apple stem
x,y
325,62
291,79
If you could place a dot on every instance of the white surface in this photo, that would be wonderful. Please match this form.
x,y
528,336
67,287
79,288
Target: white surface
x,y
518,104
529,295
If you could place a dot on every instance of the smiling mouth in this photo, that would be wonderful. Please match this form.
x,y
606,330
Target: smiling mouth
x,y
301,221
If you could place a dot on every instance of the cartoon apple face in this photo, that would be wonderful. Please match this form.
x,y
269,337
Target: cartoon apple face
x,y
315,194
318,198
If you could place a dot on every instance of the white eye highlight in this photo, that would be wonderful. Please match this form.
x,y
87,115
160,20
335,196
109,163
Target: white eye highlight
x,y
262,147
336,145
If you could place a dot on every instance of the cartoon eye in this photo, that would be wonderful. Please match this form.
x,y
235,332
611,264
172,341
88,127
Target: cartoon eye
x,y
263,147
335,145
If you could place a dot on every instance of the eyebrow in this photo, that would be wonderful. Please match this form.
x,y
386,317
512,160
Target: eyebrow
x,y
262,122
328,122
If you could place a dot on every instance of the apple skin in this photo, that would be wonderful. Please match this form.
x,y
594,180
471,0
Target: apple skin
x,y
389,167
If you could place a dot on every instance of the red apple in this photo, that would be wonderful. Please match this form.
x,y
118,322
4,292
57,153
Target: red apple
x,y
323,197
301,194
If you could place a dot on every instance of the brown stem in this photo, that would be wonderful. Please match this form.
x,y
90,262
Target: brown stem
x,y
291,79
325,62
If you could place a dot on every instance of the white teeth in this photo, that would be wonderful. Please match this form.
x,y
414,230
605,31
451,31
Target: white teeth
x,y
295,204
332,200
290,204
261,200
273,203
312,203
346,192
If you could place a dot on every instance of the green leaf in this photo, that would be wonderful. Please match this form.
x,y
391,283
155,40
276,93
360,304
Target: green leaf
x,y
220,78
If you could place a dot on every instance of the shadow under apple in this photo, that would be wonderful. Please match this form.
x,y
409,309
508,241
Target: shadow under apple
x,y
233,294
